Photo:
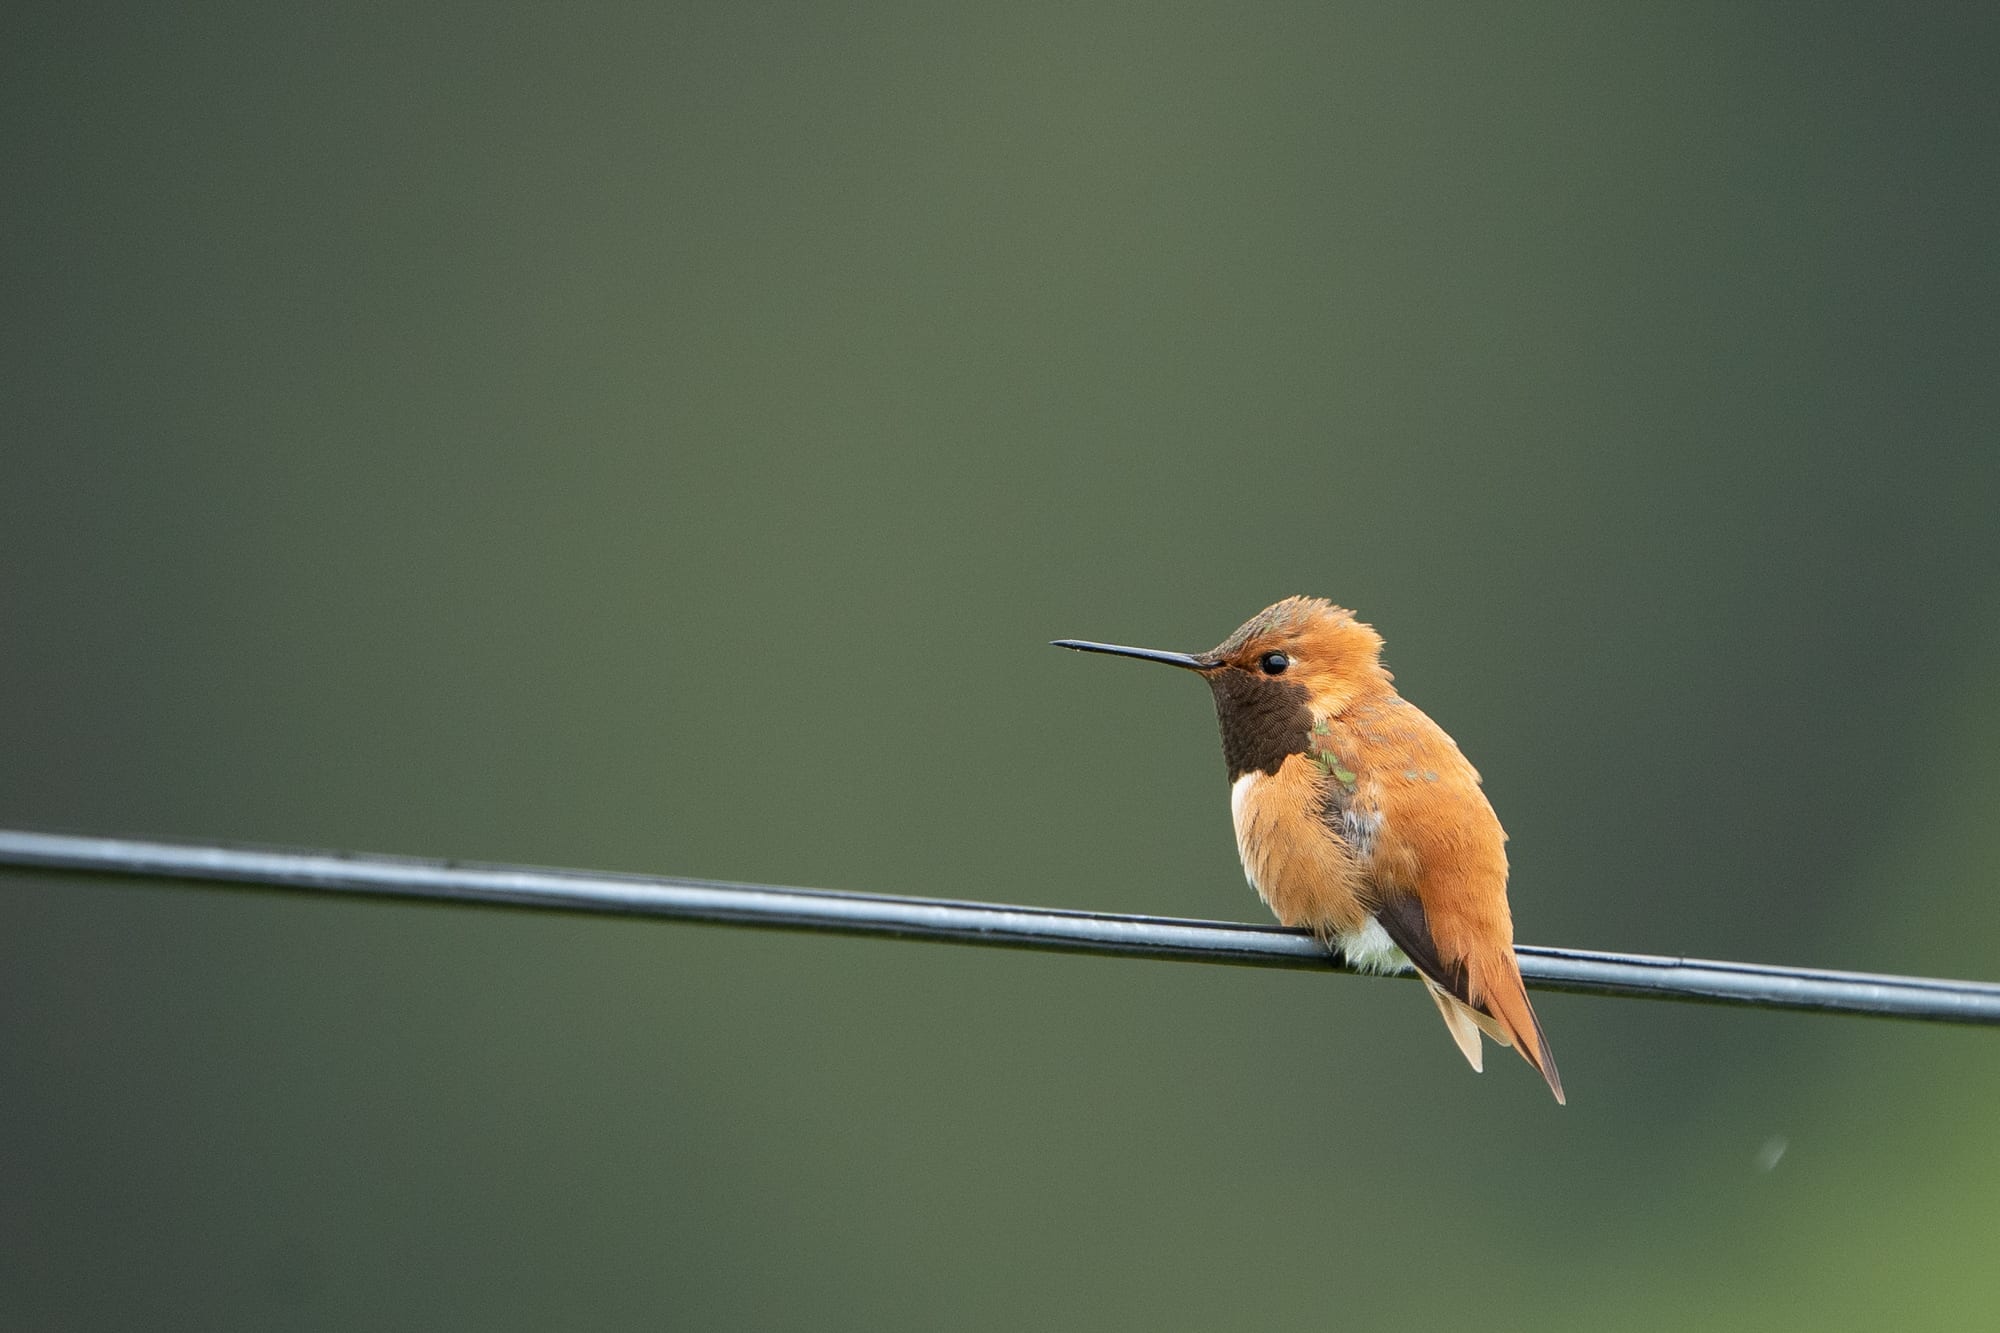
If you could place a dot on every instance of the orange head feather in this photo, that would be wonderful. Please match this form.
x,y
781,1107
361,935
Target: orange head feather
x,y
1335,657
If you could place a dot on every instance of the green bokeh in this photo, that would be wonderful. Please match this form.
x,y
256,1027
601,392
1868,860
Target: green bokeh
x,y
665,439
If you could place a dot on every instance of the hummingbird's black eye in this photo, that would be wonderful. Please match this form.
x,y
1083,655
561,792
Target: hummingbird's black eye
x,y
1274,664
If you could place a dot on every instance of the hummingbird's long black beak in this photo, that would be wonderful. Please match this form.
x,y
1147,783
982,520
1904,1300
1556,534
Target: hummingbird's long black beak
x,y
1143,654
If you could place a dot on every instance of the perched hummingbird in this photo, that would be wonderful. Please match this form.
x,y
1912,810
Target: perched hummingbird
x,y
1357,817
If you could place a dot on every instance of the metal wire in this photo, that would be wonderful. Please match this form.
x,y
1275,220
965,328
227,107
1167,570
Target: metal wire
x,y
1577,970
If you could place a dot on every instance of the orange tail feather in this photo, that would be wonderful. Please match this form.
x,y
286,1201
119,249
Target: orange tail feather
x,y
1496,984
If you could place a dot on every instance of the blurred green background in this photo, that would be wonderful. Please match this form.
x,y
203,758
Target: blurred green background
x,y
665,438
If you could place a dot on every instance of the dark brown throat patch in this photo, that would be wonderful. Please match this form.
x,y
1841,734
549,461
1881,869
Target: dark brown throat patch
x,y
1262,720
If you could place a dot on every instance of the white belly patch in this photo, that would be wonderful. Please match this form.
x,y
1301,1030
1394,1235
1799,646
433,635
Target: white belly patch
x,y
1370,949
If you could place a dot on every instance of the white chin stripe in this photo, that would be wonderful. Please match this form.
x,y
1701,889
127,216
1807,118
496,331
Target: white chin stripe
x,y
1239,795
1239,813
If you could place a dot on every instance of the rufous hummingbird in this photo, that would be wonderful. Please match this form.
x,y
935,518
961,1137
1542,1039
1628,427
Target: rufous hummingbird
x,y
1358,818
